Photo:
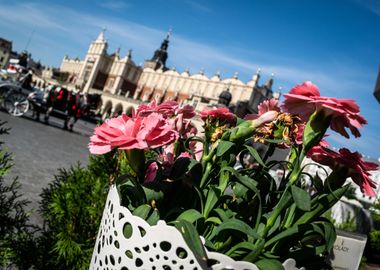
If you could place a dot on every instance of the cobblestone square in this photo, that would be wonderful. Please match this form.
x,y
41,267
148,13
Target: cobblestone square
x,y
40,150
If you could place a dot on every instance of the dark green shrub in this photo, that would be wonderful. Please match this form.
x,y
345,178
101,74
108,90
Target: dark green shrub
x,y
375,241
72,207
16,235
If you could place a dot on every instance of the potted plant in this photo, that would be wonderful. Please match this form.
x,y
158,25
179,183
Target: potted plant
x,y
179,186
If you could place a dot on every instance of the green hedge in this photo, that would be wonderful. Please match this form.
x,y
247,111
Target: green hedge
x,y
72,207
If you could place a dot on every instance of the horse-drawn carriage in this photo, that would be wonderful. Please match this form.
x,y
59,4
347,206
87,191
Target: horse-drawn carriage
x,y
17,99
13,93
58,101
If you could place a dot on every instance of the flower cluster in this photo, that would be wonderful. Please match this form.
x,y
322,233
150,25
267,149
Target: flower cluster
x,y
203,184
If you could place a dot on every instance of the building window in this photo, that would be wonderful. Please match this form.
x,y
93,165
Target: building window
x,y
111,82
1,59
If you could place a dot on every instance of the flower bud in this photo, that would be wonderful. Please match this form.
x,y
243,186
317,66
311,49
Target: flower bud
x,y
245,129
315,129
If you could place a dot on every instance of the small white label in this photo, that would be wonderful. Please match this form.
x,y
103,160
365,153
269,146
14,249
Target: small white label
x,y
348,250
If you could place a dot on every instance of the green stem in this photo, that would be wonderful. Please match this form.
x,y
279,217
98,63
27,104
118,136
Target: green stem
x,y
282,204
286,197
269,152
206,173
290,216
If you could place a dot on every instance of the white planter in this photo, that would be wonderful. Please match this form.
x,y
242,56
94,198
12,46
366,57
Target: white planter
x,y
150,247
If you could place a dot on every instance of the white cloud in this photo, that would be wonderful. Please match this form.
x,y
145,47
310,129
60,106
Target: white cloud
x,y
197,6
114,5
29,15
371,5
83,27
60,30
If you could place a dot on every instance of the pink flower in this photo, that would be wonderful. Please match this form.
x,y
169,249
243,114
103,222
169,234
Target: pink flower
x,y
188,111
168,109
168,156
124,132
357,168
151,173
185,128
268,105
259,120
146,109
185,155
197,149
304,99
222,114
264,107
100,142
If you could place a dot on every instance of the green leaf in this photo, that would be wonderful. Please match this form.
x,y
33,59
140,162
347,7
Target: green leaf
x,y
142,211
190,215
213,196
214,220
243,179
318,183
152,194
223,147
240,191
276,141
235,225
322,204
255,155
243,245
195,169
330,235
288,233
153,218
269,264
224,214
131,194
301,198
179,168
251,256
224,177
192,239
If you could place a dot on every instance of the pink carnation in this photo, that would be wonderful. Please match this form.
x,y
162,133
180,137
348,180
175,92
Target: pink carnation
x,y
268,105
304,99
357,168
197,149
132,133
167,109
151,173
222,114
187,111
185,128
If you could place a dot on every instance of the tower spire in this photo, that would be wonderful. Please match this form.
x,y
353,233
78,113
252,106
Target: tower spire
x,y
169,33
256,77
158,61
101,36
269,83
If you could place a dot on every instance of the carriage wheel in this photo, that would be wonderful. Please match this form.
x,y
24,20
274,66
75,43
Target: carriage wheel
x,y
3,91
16,104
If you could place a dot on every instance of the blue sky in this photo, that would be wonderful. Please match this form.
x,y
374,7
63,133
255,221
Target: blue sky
x,y
335,44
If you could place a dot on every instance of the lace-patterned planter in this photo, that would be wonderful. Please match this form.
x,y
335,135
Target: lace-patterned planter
x,y
150,247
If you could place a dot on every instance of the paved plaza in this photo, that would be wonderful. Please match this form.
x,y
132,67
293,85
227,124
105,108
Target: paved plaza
x,y
39,150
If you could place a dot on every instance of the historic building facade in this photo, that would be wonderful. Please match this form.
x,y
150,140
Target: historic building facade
x,y
123,84
5,52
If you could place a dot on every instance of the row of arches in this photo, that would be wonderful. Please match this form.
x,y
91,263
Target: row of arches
x,y
114,109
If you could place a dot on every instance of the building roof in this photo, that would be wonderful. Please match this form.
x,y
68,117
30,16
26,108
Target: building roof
x,y
6,44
